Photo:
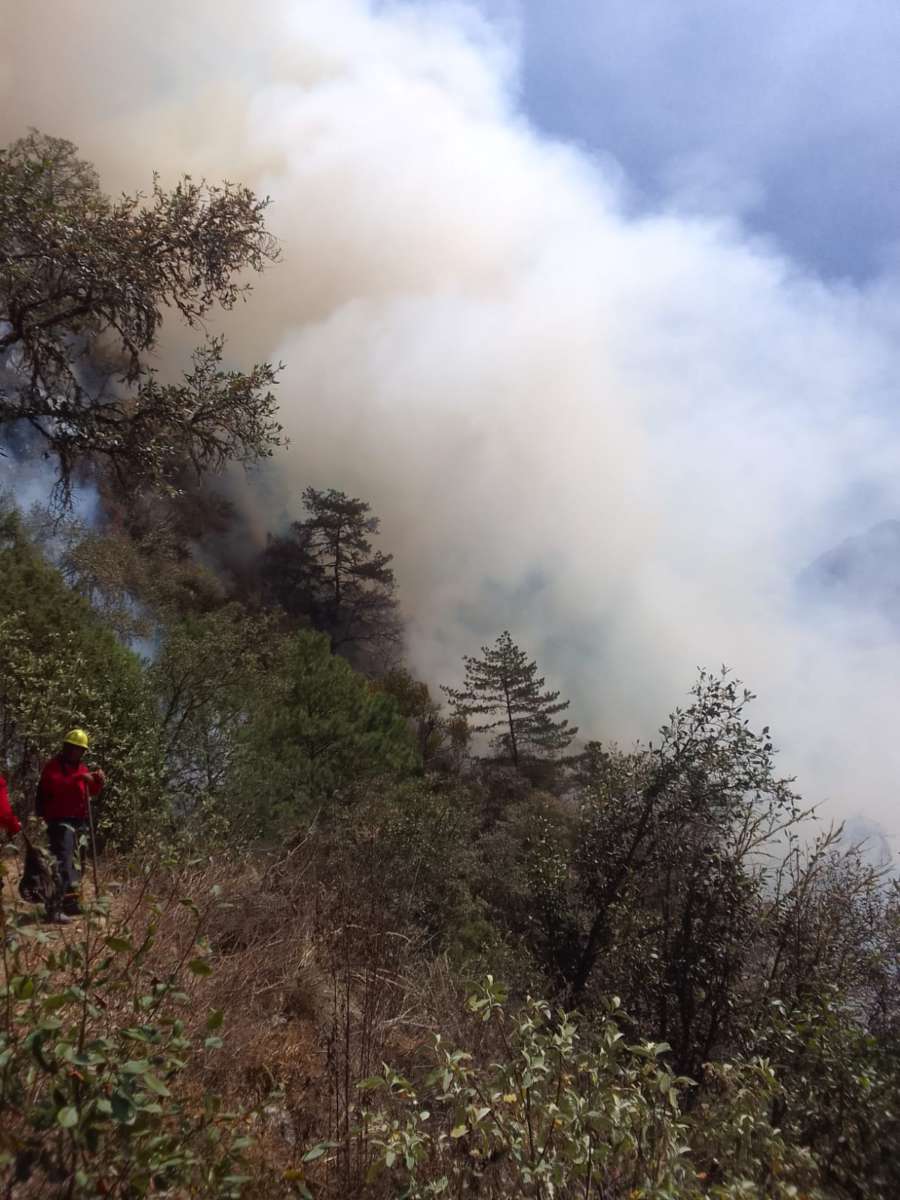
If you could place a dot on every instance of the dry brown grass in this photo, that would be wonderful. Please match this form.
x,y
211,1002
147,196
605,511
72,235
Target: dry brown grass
x,y
319,992
316,989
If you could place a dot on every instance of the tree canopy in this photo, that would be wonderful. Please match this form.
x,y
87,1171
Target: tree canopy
x,y
504,694
60,666
318,729
85,282
326,570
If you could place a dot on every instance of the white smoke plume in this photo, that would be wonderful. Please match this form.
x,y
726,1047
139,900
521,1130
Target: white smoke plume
x,y
619,437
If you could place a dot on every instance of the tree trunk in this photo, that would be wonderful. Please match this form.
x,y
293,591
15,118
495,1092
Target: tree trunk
x,y
598,936
512,731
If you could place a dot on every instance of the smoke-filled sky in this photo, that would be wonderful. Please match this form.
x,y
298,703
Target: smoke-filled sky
x,y
597,303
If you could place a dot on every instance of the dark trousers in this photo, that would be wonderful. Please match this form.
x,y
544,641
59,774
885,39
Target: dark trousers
x,y
63,838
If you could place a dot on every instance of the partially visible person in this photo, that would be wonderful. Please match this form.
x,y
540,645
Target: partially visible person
x,y
9,822
63,797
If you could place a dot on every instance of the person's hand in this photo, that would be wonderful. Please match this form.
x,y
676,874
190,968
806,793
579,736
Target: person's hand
x,y
99,776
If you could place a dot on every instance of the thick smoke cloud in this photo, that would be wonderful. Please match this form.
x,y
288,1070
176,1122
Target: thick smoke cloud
x,y
620,437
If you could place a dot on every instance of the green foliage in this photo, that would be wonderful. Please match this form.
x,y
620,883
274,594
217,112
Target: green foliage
x,y
407,849
503,692
138,586
675,828
414,701
209,675
443,741
84,283
93,1047
59,667
735,1134
833,917
839,1091
320,730
526,880
561,1110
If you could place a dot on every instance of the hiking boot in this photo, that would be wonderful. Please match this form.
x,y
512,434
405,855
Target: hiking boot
x,y
58,918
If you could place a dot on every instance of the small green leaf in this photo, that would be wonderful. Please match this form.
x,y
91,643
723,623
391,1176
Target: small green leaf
x,y
373,1082
67,1117
215,1019
317,1151
459,1131
155,1085
200,966
119,944
136,1066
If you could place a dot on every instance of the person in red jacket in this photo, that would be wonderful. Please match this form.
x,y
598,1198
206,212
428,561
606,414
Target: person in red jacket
x,y
9,822
62,800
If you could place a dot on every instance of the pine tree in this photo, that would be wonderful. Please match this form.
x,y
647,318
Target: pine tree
x,y
326,570
320,730
503,692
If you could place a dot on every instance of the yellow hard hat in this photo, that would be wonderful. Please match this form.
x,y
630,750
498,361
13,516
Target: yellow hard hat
x,y
77,737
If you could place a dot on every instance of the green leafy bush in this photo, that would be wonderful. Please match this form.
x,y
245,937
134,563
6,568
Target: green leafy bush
x,y
61,666
318,730
94,1047
557,1108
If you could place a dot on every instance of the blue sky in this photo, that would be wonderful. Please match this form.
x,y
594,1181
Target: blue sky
x,y
782,114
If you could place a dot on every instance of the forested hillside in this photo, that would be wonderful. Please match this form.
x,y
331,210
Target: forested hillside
x,y
358,934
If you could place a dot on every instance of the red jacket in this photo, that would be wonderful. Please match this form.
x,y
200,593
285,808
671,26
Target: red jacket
x,y
8,819
64,789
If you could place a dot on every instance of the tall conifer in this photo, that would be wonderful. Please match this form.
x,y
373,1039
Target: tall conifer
x,y
505,695
327,570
